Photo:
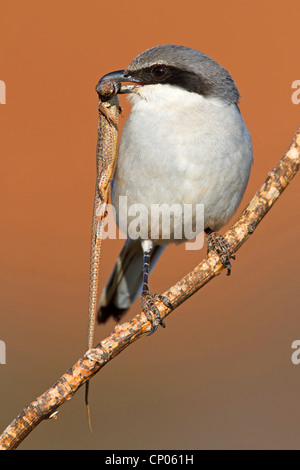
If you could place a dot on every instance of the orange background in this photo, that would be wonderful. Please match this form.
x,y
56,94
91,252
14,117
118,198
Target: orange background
x,y
220,375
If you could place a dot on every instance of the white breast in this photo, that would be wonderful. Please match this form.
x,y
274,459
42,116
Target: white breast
x,y
179,147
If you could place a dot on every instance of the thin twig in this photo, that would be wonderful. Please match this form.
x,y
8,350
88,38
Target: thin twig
x,y
86,367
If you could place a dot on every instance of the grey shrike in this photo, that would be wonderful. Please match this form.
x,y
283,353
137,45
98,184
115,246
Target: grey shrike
x,y
184,142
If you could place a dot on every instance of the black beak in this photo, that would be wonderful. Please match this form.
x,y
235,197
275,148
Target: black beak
x,y
116,78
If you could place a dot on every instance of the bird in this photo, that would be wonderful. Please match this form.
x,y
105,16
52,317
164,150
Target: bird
x,y
184,142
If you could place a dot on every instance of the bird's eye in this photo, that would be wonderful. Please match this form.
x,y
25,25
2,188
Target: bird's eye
x,y
158,71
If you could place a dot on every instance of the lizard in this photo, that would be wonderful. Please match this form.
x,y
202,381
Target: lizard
x,y
106,152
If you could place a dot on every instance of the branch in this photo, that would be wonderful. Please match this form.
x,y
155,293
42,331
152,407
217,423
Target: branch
x,y
46,405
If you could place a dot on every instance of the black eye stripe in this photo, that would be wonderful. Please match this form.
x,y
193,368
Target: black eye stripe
x,y
159,71
171,75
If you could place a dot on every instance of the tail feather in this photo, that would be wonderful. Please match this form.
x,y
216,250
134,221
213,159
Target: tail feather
x,y
125,282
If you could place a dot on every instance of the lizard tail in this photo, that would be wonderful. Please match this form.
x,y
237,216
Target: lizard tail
x,y
88,406
125,281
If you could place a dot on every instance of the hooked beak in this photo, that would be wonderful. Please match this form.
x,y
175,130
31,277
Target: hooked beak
x,y
117,78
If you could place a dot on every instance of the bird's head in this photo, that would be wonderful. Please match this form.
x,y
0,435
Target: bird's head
x,y
178,66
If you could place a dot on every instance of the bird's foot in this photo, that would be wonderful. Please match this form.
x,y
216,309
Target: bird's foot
x,y
218,244
150,309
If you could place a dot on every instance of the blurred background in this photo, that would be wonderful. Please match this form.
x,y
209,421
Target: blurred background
x,y
220,375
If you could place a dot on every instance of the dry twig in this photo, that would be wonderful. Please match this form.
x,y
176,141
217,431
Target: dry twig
x,y
45,406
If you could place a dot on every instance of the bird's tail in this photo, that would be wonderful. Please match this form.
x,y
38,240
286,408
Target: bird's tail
x,y
125,281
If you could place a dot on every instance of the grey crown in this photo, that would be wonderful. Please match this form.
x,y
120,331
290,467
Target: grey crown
x,y
216,79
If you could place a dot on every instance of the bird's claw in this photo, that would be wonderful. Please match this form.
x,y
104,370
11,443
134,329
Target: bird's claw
x,y
151,311
218,244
